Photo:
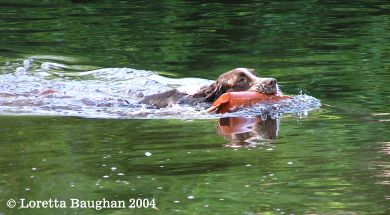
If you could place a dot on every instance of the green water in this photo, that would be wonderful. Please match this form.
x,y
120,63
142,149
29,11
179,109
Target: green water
x,y
333,161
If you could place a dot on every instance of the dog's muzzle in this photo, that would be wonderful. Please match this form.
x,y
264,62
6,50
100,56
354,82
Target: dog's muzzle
x,y
267,86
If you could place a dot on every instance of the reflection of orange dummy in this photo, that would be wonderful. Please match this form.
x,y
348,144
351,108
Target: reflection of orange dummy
x,y
228,102
243,131
236,125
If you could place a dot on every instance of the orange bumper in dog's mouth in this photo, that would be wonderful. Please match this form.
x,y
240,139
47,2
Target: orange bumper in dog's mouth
x,y
230,101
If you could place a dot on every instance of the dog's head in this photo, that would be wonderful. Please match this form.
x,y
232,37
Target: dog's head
x,y
240,79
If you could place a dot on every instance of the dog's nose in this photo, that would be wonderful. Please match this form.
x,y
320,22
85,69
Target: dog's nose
x,y
270,81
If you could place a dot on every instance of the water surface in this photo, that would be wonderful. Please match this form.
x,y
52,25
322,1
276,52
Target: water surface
x,y
333,160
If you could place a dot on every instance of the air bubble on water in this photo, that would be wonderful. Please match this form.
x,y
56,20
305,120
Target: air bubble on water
x,y
121,174
50,65
21,70
113,168
98,182
27,63
176,201
27,189
148,154
45,66
190,197
264,116
34,169
106,176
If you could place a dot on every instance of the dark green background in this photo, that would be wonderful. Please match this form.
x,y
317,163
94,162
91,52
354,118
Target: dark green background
x,y
337,51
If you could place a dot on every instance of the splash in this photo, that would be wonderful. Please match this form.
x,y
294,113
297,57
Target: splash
x,y
36,87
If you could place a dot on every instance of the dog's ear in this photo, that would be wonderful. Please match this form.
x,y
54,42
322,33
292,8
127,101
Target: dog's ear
x,y
210,93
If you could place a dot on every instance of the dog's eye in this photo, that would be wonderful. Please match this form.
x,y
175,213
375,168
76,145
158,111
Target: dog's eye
x,y
242,79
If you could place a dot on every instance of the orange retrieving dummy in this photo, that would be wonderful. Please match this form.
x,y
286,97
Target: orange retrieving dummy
x,y
228,102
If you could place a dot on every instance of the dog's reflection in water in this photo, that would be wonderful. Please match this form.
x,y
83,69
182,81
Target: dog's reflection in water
x,y
248,131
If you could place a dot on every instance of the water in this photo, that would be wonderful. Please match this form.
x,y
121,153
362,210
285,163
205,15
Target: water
x,y
333,160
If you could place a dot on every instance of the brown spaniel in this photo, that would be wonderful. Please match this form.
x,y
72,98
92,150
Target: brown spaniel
x,y
239,79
